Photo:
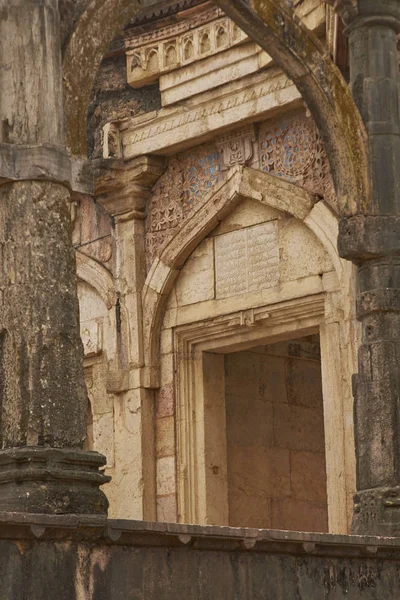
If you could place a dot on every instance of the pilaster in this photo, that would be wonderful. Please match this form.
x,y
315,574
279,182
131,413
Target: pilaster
x,y
124,189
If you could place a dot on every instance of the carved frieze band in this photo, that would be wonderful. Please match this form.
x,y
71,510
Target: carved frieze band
x,y
166,49
144,136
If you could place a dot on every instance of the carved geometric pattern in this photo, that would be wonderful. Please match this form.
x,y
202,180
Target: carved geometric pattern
x,y
166,209
294,151
189,178
201,172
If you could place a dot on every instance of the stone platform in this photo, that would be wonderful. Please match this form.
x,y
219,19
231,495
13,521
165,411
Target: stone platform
x,y
44,557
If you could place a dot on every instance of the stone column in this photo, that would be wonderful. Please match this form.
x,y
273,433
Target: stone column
x,y
372,241
124,189
43,402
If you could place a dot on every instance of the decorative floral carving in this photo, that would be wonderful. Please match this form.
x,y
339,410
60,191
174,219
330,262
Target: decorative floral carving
x,y
236,147
166,203
189,178
201,172
294,151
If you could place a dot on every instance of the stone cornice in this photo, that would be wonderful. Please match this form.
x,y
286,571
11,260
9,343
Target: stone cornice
x,y
356,13
142,533
241,102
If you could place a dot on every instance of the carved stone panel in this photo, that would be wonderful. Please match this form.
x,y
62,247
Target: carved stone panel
x,y
247,260
188,180
293,150
236,147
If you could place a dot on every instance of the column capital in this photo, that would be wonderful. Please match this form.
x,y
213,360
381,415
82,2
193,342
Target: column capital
x,y
122,188
347,9
356,13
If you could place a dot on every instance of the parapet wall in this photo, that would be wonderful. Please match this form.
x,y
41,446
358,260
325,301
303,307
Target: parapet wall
x,y
73,558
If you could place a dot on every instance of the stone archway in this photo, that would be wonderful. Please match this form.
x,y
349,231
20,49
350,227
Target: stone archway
x,y
293,48
191,327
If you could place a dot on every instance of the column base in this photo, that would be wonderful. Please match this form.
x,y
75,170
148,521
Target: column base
x,y
377,512
52,481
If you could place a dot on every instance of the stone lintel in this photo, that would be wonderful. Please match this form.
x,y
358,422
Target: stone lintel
x,y
123,187
44,163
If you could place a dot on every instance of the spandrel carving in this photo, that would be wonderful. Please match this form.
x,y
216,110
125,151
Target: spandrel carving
x,y
294,151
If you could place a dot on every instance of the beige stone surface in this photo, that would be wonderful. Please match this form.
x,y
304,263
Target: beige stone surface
x,y
299,428
196,280
212,72
300,252
165,436
166,483
304,383
165,401
307,470
103,436
261,471
166,341
256,512
167,369
246,214
293,514
166,508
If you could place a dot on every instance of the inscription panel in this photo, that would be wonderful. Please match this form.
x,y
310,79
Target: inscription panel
x,y
247,260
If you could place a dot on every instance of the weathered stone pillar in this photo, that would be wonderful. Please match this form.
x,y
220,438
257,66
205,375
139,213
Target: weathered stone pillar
x,y
124,190
372,241
43,399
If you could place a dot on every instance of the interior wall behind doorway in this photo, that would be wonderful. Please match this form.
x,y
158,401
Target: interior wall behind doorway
x,y
275,437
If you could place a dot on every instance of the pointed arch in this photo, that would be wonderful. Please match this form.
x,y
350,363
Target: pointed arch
x,y
241,183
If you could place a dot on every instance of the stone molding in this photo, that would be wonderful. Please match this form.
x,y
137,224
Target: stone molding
x,y
134,40
52,480
248,99
45,163
49,163
41,527
179,45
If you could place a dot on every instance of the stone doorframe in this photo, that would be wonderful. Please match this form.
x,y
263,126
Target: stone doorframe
x,y
200,403
246,183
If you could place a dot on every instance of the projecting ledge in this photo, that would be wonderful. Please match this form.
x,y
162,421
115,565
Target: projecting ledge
x,y
142,533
